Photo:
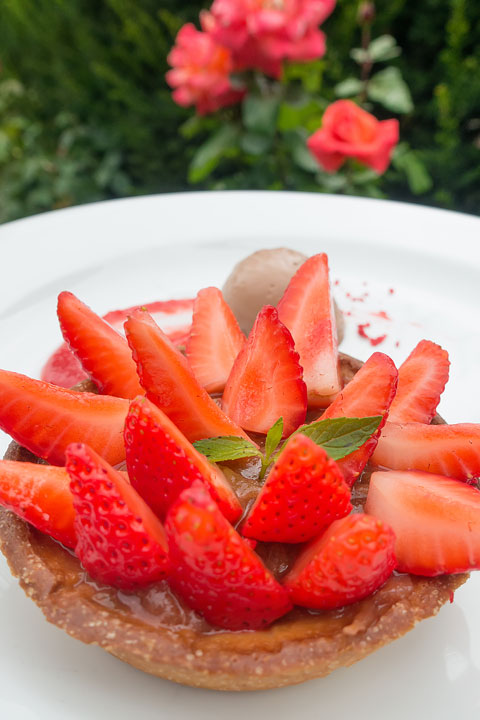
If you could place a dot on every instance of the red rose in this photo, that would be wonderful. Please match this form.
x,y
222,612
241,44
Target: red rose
x,y
263,33
348,131
201,72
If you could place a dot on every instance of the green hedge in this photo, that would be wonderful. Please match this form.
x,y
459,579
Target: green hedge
x,y
85,113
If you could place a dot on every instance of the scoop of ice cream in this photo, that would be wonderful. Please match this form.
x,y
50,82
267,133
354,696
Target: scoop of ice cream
x,y
261,279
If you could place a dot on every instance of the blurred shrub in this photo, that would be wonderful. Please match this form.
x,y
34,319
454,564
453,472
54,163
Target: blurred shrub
x,y
85,113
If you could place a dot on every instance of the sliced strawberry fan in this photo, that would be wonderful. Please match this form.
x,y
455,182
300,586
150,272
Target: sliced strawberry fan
x,y
215,571
352,559
45,418
266,379
436,520
161,462
369,393
304,493
174,316
103,353
39,494
169,382
421,381
214,341
452,450
306,308
119,539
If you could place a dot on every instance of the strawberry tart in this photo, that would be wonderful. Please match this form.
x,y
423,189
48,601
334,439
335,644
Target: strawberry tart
x,y
235,512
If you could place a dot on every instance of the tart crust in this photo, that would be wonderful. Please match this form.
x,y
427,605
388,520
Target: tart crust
x,y
177,645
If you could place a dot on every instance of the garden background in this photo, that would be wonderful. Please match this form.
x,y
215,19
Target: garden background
x,y
86,114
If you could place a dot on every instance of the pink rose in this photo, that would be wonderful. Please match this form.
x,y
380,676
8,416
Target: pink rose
x,y
201,72
263,33
348,131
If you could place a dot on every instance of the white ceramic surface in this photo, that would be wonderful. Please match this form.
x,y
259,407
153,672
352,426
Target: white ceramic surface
x,y
119,253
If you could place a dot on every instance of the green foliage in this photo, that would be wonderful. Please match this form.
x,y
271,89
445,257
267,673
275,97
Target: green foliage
x,y
85,112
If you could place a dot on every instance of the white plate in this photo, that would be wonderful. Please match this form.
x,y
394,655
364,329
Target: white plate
x,y
124,252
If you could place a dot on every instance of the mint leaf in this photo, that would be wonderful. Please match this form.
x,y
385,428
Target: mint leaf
x,y
341,436
221,449
274,436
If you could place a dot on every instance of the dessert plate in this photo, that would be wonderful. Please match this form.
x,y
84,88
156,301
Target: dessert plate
x,y
400,273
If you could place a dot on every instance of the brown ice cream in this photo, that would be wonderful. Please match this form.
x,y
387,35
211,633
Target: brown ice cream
x,y
261,279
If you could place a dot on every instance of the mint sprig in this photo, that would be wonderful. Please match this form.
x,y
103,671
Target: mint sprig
x,y
227,447
339,437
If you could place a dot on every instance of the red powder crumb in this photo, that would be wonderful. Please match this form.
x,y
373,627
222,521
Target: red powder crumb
x,y
356,299
452,596
347,313
381,314
361,330
391,291
397,344
337,282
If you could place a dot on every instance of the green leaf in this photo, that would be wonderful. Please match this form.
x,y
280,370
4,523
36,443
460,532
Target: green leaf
x,y
259,113
384,48
306,113
389,89
348,88
301,155
221,449
255,143
341,436
407,161
211,152
359,55
274,436
381,49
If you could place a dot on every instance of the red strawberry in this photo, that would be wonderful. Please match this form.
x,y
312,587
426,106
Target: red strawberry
x,y
436,520
304,492
421,381
174,316
306,308
266,379
351,560
161,462
215,571
369,393
103,353
169,382
120,541
62,368
40,494
452,450
215,340
45,418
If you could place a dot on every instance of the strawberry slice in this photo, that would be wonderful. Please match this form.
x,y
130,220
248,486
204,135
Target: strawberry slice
x,y
45,418
303,494
306,308
351,560
215,571
63,369
170,384
39,494
161,462
174,316
103,353
215,340
421,381
120,541
369,393
266,379
436,520
452,450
